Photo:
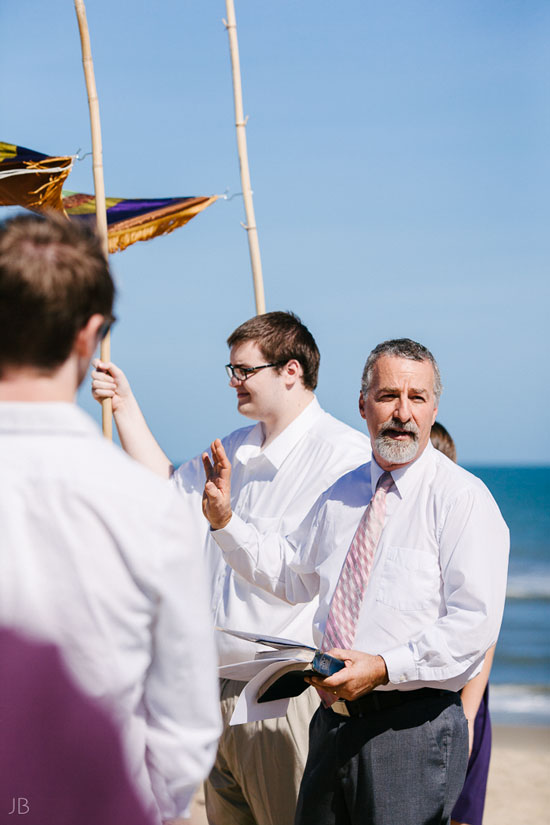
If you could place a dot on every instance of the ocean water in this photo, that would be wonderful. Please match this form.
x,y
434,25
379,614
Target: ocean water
x,y
520,679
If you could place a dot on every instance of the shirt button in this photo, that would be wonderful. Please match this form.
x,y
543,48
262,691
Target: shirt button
x,y
402,678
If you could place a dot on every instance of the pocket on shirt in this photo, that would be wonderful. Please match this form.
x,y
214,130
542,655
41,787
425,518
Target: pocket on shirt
x,y
264,524
410,579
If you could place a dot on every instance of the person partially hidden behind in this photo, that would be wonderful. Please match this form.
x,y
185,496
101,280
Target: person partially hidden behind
x,y
408,554
475,701
97,555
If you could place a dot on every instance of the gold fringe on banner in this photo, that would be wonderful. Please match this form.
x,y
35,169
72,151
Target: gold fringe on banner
x,y
161,222
33,184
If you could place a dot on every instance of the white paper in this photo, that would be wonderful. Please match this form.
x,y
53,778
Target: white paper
x,y
248,709
289,654
242,671
270,641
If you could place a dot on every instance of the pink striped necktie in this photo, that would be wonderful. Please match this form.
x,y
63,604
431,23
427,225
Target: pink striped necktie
x,y
350,590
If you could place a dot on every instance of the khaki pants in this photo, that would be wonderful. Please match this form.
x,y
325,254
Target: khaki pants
x,y
259,766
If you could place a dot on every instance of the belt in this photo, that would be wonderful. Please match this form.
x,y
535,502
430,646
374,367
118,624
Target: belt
x,y
384,699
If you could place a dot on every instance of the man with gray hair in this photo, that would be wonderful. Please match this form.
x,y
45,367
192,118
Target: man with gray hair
x,y
390,446
408,554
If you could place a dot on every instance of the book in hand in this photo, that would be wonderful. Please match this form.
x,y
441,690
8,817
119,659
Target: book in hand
x,y
289,679
274,675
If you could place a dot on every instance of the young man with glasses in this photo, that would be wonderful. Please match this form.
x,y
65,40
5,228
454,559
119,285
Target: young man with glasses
x,y
96,554
280,466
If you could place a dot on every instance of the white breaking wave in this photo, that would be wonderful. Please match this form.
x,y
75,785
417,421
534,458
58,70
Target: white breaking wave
x,y
520,703
532,585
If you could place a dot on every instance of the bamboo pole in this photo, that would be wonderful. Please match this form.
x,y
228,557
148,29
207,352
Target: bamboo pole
x,y
240,124
99,185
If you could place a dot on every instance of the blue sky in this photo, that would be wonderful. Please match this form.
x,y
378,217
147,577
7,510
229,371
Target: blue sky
x,y
400,165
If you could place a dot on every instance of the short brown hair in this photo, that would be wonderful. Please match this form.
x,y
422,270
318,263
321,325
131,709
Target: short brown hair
x,y
53,278
282,336
442,441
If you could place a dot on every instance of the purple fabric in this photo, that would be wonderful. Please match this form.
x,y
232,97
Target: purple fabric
x,y
128,208
60,758
24,155
470,804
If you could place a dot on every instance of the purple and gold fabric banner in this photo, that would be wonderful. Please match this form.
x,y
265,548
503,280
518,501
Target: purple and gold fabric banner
x,y
131,219
34,180
31,179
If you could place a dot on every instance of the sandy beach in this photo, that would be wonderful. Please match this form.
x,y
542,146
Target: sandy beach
x,y
518,792
519,788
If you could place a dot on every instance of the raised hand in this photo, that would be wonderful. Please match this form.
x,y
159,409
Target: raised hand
x,y
108,381
216,499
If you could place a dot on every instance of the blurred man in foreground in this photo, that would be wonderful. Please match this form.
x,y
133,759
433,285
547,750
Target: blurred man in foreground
x,y
96,554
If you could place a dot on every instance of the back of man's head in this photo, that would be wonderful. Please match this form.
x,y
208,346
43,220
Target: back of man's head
x,y
53,278
281,336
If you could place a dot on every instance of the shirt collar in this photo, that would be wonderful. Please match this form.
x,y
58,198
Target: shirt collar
x,y
404,478
279,449
45,418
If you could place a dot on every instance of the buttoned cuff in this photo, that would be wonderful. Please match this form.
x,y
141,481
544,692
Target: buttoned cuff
x,y
233,536
400,664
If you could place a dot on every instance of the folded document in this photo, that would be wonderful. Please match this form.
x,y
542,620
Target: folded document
x,y
274,675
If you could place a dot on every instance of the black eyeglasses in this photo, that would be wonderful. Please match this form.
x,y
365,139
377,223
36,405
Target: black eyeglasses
x,y
243,373
105,327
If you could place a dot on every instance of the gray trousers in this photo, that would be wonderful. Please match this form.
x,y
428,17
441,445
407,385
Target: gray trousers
x,y
401,766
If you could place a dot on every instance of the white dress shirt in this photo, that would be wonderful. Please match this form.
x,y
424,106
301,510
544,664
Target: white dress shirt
x,y
273,490
97,555
435,597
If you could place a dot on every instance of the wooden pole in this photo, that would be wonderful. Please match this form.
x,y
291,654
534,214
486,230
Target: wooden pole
x,y
99,185
240,124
